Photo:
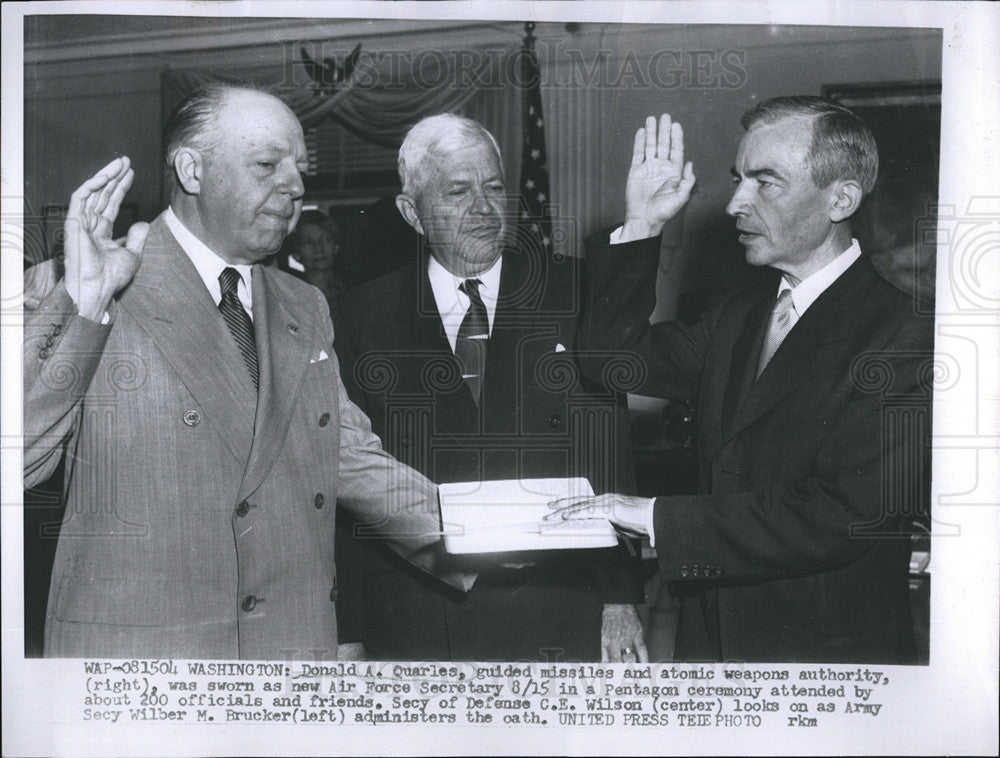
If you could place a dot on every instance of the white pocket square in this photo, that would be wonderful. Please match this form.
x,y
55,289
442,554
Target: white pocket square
x,y
560,347
322,357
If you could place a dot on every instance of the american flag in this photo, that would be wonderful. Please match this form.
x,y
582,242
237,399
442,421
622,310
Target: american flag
x,y
534,227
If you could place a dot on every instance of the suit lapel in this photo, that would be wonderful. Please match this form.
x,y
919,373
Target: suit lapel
x,y
500,356
284,333
419,327
743,366
427,333
171,304
810,346
418,313
503,351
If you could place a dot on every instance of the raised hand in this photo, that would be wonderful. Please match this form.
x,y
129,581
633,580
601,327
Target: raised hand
x,y
659,182
97,266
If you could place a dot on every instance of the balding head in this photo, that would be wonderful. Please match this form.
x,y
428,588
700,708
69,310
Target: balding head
x,y
237,155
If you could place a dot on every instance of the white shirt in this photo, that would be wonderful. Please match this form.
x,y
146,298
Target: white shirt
x,y
803,295
809,289
452,303
208,263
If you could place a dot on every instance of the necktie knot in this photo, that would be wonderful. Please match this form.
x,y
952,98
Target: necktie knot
x,y
471,288
229,280
784,304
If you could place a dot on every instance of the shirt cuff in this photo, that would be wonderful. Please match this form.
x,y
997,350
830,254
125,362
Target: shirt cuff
x,y
616,236
105,319
649,521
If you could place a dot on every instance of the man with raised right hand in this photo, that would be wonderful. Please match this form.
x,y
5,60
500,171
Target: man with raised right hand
x,y
198,400
811,399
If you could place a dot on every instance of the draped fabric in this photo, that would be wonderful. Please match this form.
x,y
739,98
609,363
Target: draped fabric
x,y
379,102
381,99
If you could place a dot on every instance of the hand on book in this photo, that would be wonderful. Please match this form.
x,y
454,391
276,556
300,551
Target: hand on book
x,y
625,511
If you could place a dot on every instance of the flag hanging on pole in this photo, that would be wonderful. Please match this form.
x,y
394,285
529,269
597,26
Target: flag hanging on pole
x,y
534,226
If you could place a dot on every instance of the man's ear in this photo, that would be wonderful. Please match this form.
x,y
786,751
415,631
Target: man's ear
x,y
845,200
408,208
188,167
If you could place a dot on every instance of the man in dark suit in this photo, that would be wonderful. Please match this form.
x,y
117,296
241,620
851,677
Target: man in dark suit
x,y
812,404
196,398
462,361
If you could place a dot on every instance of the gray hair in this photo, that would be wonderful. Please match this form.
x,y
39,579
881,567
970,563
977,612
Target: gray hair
x,y
437,134
842,146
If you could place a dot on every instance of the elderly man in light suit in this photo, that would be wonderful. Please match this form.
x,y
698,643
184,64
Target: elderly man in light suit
x,y
197,397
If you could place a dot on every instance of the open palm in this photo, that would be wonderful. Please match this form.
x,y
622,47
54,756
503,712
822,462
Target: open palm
x,y
659,182
97,266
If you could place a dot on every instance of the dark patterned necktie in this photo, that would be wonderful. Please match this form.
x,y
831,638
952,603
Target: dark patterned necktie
x,y
238,321
473,334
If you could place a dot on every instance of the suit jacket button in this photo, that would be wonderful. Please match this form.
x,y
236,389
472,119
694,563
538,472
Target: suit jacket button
x,y
56,330
43,353
49,341
249,603
718,570
684,571
192,418
243,509
695,571
324,419
319,500
554,421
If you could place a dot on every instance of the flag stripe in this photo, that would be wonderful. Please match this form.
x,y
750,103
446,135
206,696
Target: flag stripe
x,y
534,219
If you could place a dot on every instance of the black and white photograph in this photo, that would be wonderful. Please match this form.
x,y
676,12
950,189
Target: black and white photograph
x,y
554,378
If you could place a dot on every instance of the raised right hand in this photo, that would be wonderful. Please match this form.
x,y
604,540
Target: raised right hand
x,y
97,267
659,181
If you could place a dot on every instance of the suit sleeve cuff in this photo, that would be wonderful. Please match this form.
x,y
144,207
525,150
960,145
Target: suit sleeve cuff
x,y
618,237
650,529
57,321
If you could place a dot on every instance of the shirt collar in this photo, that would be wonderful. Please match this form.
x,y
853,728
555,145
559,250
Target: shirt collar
x,y
445,285
810,288
206,261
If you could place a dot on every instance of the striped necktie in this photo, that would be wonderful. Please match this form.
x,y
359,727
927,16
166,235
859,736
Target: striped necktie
x,y
473,334
238,321
777,328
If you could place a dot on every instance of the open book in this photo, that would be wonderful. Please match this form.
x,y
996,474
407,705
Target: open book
x,y
506,515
